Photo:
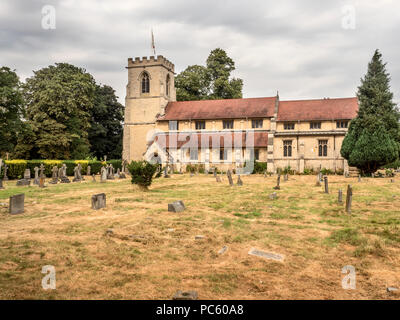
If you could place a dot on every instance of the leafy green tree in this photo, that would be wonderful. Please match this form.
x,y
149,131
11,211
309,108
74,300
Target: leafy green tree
x,y
210,82
59,100
142,173
373,139
105,133
11,109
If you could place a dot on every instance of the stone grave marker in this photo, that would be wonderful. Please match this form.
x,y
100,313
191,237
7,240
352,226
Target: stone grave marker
x,y
359,178
41,182
36,180
166,175
215,172
103,175
185,295
5,177
17,204
27,174
273,196
349,198
94,177
267,255
176,206
285,177
326,184
88,170
54,176
239,181
76,175
278,182
229,174
340,196
98,201
1,184
218,179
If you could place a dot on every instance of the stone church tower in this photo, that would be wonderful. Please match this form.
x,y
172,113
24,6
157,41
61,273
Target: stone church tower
x,y
150,87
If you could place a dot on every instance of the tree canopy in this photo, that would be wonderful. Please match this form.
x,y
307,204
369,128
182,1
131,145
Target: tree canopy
x,y
373,139
11,109
212,81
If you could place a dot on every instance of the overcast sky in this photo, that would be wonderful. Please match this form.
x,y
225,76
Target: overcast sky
x,y
303,48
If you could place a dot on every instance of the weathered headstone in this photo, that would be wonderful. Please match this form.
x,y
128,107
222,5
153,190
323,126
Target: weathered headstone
x,y
23,182
103,175
229,174
94,177
41,168
318,183
285,177
118,174
359,178
215,172
278,182
5,178
1,184
239,181
77,175
349,197
267,255
187,295
340,196
98,201
17,204
27,174
62,174
273,196
80,172
392,180
41,181
218,179
54,177
176,206
166,175
88,170
36,180
326,184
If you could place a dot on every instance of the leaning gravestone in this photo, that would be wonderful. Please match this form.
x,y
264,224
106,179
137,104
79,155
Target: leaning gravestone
x,y
176,206
239,181
1,184
229,174
99,201
278,182
17,204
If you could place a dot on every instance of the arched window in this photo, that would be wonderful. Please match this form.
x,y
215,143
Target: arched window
x,y
145,83
167,85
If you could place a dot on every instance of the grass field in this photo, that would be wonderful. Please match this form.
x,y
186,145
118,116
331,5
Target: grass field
x,y
152,253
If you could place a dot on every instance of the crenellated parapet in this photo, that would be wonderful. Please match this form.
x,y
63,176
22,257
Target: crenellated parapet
x,y
150,61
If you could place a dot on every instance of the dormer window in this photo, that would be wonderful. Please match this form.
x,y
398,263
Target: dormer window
x,y
145,83
341,124
288,126
315,125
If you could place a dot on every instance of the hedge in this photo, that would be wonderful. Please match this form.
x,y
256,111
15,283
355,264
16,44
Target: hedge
x,y
16,168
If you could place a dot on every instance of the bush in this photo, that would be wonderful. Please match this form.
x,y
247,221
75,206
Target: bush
x,y
287,170
326,172
308,171
193,168
142,173
117,164
260,167
16,168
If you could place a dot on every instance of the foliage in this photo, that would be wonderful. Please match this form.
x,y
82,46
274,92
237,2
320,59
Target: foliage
x,y
142,172
260,167
210,82
11,109
308,171
105,133
59,100
325,171
193,168
287,170
373,139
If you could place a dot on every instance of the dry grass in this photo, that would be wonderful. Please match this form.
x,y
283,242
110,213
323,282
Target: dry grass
x,y
305,225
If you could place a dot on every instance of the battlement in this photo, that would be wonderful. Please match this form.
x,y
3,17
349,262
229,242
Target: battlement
x,y
150,61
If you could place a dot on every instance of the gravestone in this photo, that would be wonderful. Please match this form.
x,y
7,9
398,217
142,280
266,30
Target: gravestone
x,y
94,177
218,179
122,175
77,175
392,180
17,204
267,255
103,175
1,184
273,196
265,174
98,201
239,181
110,172
54,176
41,181
36,180
326,184
41,168
191,174
278,182
215,172
5,178
27,174
176,206
318,183
23,182
229,174
88,170
359,178
285,177
349,197
62,174
80,172
340,196
166,175
187,295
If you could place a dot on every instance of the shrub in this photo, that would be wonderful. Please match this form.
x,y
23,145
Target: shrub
x,y
260,167
142,173
308,171
326,172
117,164
16,168
287,170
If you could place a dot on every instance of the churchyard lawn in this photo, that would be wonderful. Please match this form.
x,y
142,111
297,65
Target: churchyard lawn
x,y
135,249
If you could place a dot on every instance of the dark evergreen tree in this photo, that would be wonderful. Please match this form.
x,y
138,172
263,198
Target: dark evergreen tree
x,y
11,109
373,139
105,133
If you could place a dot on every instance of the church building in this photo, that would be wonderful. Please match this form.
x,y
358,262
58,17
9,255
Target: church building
x,y
227,134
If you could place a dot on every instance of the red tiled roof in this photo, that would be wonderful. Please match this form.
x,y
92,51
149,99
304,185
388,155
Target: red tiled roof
x,y
210,140
220,109
321,109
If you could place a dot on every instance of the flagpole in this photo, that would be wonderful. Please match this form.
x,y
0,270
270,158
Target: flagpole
x,y
153,47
